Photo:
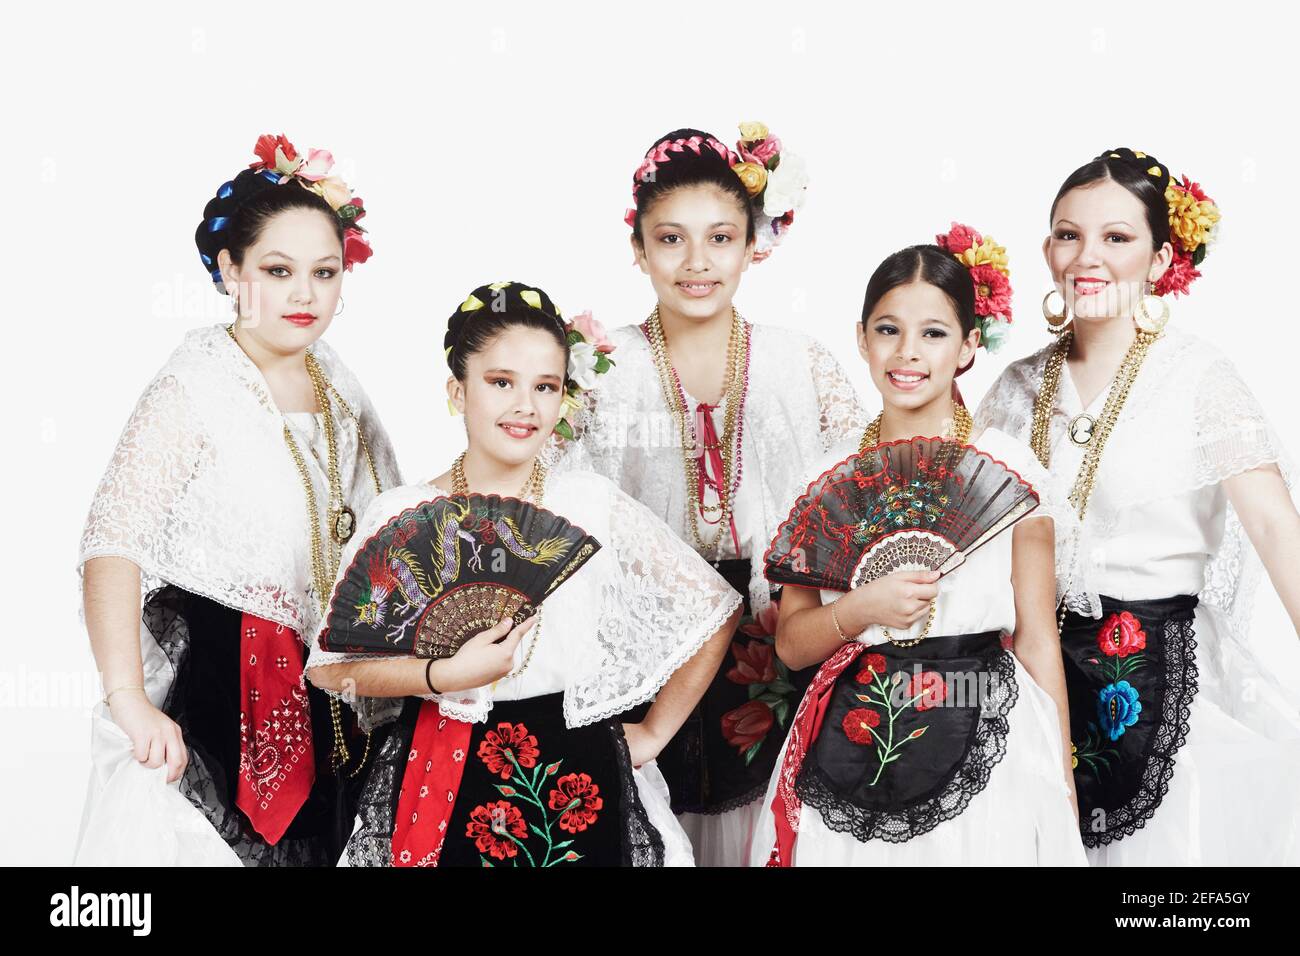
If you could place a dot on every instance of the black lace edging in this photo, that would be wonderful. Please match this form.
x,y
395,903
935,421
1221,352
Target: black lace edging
x,y
1181,685
372,842
734,803
642,843
969,777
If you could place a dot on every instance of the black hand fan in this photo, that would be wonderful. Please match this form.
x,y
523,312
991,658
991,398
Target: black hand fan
x,y
916,505
441,572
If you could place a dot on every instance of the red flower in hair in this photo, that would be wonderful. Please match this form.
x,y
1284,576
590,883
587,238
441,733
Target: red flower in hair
x,y
356,248
858,722
497,746
265,150
489,825
992,291
958,239
1195,189
929,688
1179,276
580,800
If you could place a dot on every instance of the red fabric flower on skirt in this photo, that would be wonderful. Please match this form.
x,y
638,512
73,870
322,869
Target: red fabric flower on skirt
x,y
580,800
872,665
747,724
1121,635
489,825
497,746
930,689
754,663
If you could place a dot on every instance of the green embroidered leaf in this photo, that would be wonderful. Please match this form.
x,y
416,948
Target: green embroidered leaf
x,y
756,689
553,768
484,859
541,833
505,790
770,698
781,710
752,751
561,846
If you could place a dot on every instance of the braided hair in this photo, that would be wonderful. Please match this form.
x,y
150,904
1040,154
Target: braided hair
x,y
234,218
491,309
1140,173
686,166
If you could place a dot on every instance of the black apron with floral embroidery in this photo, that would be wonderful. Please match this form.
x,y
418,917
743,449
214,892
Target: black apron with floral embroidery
x,y
909,736
1131,678
724,754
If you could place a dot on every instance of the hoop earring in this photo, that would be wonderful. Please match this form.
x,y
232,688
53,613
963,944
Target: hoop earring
x,y
1056,321
1152,312
339,310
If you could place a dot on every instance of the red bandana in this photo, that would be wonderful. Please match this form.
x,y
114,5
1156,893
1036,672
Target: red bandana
x,y
429,786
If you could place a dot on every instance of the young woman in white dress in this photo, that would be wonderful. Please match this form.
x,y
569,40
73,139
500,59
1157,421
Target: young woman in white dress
x,y
707,419
1187,750
212,540
513,752
981,781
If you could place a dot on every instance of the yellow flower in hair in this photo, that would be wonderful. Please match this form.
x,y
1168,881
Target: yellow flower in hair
x,y
1190,219
752,131
752,175
987,253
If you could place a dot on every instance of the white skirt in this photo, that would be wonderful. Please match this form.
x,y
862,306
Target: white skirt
x,y
1234,799
1022,818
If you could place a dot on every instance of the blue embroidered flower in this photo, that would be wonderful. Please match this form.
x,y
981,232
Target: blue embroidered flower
x,y
1118,708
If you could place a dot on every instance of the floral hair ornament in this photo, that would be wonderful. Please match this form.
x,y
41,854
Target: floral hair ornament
x,y
987,263
775,180
279,162
589,345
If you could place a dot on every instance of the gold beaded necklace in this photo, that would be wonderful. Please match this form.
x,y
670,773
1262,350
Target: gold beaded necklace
x,y
341,519
1040,433
534,490
737,373
958,432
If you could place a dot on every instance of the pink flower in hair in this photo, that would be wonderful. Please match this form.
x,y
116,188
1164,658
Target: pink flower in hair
x,y
593,332
356,248
992,291
318,165
958,239
1179,276
630,217
763,152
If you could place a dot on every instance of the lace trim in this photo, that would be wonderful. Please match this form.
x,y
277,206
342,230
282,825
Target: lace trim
x,y
371,844
642,843
969,778
1181,684
735,803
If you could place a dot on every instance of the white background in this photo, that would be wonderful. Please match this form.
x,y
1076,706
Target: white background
x,y
499,142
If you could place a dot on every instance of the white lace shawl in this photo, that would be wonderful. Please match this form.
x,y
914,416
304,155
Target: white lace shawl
x,y
629,617
202,493
800,403
1195,423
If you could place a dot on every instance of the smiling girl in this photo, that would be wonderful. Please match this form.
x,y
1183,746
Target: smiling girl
x,y
1186,750
511,752
708,419
980,778
214,534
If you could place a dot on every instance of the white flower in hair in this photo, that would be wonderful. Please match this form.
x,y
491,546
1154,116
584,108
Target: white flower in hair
x,y
582,364
786,186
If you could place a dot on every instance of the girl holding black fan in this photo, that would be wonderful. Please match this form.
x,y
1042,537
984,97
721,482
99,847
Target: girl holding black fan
x,y
1186,744
507,748
918,573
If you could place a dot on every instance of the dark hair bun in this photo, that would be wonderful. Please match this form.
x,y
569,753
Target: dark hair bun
x,y
489,309
212,234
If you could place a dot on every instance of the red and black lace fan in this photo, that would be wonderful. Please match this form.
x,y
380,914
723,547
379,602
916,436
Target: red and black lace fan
x,y
917,505
441,572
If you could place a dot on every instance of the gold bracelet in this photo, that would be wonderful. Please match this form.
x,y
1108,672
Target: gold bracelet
x,y
116,689
836,621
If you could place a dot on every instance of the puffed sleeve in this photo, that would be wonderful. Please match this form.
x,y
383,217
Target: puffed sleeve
x,y
659,602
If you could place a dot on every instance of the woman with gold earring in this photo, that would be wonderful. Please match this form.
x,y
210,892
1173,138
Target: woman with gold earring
x,y
212,544
1185,750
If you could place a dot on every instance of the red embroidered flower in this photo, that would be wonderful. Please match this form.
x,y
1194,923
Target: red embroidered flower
x,y
858,723
497,746
755,663
265,149
763,624
491,826
929,688
580,800
872,665
1121,635
747,724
